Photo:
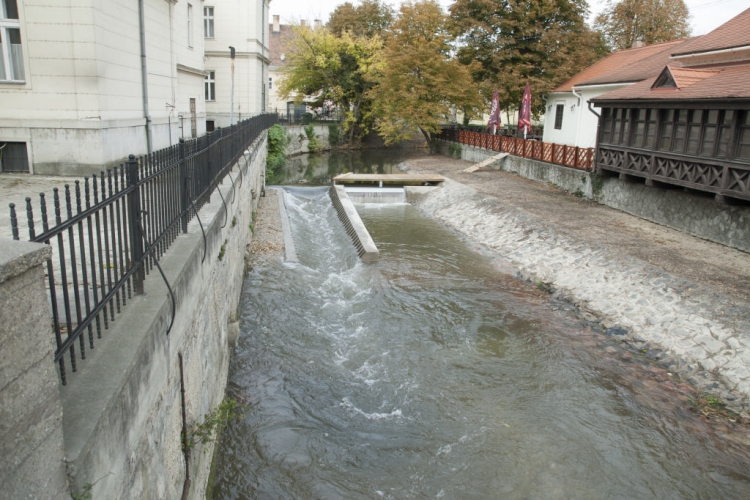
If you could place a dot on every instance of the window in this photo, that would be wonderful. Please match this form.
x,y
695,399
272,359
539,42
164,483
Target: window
x,y
725,132
13,157
694,131
208,22
639,127
709,133
606,130
190,25
11,53
650,128
667,125
680,127
210,126
559,109
210,86
743,145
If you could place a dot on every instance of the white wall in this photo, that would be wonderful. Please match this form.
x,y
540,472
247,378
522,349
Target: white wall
x,y
81,105
243,25
579,124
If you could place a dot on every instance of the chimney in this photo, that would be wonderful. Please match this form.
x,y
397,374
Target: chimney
x,y
318,24
276,24
638,44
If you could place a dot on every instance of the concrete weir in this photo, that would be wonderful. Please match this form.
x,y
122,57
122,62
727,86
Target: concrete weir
x,y
362,240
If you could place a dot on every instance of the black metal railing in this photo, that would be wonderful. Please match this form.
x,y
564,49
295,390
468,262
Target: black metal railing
x,y
108,231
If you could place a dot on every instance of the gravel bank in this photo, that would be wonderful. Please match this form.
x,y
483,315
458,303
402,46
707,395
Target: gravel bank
x,y
680,300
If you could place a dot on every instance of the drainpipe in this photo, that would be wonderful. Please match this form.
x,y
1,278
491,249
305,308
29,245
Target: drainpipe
x,y
580,113
231,95
144,74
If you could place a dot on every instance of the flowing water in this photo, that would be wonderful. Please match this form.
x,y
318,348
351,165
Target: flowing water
x,y
431,375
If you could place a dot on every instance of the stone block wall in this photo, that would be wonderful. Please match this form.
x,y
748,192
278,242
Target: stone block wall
x,y
692,213
32,458
117,425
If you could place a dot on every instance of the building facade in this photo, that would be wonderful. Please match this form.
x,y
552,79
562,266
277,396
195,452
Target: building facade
x,y
91,83
235,87
85,84
688,125
568,119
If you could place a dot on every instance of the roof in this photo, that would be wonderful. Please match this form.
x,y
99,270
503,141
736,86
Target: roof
x,y
732,82
733,33
278,42
613,68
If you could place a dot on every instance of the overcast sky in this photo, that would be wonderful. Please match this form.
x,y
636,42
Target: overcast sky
x,y
705,14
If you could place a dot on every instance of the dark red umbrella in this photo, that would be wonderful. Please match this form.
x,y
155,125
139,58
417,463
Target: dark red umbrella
x,y
494,112
524,114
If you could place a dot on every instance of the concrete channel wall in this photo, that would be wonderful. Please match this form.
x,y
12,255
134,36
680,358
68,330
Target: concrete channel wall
x,y
122,411
298,142
354,226
692,213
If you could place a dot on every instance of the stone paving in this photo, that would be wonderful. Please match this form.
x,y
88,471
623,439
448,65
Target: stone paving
x,y
699,333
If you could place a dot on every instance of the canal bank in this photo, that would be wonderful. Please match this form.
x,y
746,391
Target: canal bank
x,y
680,300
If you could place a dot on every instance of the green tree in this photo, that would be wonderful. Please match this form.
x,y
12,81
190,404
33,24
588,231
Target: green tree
x,y
370,18
511,42
419,81
649,21
324,68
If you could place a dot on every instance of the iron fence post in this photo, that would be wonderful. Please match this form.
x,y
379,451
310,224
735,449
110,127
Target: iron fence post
x,y
183,187
136,236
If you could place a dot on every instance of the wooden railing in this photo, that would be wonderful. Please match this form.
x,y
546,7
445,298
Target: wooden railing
x,y
569,156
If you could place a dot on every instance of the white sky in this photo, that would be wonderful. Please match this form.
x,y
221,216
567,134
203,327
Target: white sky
x,y
705,14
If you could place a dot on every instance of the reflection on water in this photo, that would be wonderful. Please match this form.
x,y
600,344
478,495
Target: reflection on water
x,y
318,170
429,375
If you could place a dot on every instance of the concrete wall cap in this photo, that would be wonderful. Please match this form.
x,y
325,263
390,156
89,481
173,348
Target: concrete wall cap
x,y
18,256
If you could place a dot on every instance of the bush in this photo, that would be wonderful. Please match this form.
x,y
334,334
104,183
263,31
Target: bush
x,y
277,141
313,144
307,118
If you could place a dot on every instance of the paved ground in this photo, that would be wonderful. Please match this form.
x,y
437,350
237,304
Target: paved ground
x,y
678,299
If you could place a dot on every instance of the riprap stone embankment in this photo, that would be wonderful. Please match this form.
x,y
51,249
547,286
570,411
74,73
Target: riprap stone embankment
x,y
701,333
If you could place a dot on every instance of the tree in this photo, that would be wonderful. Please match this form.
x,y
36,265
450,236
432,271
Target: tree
x,y
418,80
648,21
511,42
324,68
370,18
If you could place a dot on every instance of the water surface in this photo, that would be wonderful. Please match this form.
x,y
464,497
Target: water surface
x,y
430,375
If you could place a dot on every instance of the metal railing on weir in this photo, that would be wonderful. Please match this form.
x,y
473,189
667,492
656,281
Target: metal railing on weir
x,y
110,230
559,154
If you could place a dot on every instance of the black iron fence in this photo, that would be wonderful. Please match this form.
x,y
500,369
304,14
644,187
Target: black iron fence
x,y
108,231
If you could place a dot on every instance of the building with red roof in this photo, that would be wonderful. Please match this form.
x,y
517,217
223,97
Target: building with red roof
x,y
688,124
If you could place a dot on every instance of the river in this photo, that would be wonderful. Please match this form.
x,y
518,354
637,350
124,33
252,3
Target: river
x,y
432,375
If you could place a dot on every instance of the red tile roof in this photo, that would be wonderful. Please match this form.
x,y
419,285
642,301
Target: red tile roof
x,y
645,67
600,71
732,82
278,43
733,33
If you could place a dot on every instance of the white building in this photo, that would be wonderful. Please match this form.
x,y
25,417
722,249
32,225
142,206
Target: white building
x,y
79,92
568,119
84,84
243,25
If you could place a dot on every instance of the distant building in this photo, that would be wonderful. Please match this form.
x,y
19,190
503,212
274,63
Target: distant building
x,y
688,124
281,34
242,24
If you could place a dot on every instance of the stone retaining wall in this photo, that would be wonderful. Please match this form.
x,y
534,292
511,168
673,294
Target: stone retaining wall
x,y
119,420
692,213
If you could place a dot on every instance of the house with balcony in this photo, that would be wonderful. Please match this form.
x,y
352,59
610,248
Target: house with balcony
x,y
569,120
688,125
